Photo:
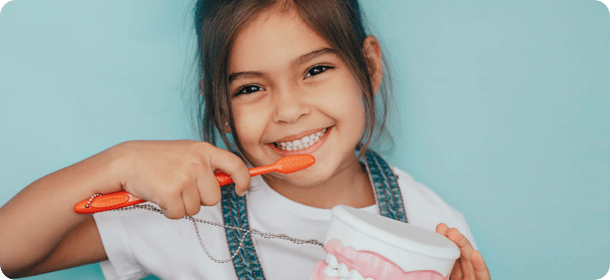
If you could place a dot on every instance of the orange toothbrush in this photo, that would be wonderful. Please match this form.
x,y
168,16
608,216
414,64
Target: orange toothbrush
x,y
121,199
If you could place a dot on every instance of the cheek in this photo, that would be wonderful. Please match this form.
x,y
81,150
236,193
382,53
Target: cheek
x,y
358,119
249,124
346,103
355,113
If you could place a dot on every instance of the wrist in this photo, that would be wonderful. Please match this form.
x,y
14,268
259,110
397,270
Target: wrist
x,y
114,168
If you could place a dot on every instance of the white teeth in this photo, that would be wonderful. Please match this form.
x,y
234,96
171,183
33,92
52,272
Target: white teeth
x,y
331,272
336,269
343,270
354,275
332,261
302,143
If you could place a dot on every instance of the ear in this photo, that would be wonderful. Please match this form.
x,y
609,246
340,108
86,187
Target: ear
x,y
372,50
224,127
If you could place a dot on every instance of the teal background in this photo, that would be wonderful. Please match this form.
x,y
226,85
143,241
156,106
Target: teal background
x,y
503,109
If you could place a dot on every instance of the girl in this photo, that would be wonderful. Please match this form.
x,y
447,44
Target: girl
x,y
278,78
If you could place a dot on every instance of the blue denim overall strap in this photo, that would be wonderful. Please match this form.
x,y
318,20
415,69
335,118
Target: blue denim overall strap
x,y
235,213
387,192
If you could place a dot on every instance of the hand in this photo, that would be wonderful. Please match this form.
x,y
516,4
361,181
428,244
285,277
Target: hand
x,y
470,265
177,175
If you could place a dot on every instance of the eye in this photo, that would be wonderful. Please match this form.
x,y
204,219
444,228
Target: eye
x,y
247,90
317,70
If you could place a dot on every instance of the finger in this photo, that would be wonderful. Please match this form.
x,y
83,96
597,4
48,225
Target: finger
x,y
442,229
456,272
192,200
173,207
209,189
480,268
235,167
465,251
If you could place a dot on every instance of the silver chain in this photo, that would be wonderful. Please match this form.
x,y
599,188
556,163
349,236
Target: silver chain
x,y
90,199
241,242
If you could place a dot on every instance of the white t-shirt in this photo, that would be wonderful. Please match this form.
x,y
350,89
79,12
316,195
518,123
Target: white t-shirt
x,y
139,242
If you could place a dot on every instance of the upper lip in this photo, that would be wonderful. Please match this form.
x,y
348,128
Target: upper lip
x,y
299,136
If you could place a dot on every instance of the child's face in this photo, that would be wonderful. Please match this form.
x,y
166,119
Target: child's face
x,y
292,85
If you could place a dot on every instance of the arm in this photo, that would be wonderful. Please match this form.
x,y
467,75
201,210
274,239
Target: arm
x,y
40,232
38,223
83,245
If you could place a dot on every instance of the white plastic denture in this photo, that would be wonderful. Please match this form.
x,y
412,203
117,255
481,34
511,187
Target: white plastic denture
x,y
365,246
340,270
332,272
332,261
302,143
355,275
335,269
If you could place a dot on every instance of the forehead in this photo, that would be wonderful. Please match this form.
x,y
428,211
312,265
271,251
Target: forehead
x,y
273,38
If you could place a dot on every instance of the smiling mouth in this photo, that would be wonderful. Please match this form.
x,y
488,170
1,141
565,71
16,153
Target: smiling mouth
x,y
302,143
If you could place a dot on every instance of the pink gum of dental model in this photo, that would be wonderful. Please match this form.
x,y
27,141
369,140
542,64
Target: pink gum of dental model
x,y
369,265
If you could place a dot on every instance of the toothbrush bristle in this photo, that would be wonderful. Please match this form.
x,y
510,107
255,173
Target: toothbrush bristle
x,y
294,163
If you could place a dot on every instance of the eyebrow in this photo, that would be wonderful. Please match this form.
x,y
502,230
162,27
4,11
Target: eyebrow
x,y
298,61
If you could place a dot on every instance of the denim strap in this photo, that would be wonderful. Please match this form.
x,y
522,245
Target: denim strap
x,y
387,192
235,213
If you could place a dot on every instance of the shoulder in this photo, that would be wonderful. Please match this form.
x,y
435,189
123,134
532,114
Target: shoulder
x,y
426,209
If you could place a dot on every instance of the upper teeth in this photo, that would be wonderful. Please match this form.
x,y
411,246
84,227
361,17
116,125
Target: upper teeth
x,y
302,143
336,269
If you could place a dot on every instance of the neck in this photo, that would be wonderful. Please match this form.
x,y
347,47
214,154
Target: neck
x,y
348,186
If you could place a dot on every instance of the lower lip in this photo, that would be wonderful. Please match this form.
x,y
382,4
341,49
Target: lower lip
x,y
309,150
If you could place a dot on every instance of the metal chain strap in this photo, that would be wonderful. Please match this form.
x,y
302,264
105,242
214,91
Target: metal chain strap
x,y
90,199
241,242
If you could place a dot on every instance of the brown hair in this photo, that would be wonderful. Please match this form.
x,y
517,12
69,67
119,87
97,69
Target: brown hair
x,y
339,22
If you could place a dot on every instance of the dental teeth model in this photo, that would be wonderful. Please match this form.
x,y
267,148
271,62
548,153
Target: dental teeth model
x,y
364,246
302,143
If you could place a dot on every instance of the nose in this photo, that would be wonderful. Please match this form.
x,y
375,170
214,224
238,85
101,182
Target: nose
x,y
290,105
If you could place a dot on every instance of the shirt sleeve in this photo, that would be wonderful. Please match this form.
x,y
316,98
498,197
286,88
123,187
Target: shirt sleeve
x,y
120,263
426,209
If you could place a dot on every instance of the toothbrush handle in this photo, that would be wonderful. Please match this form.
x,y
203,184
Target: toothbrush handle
x,y
224,178
122,199
107,202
